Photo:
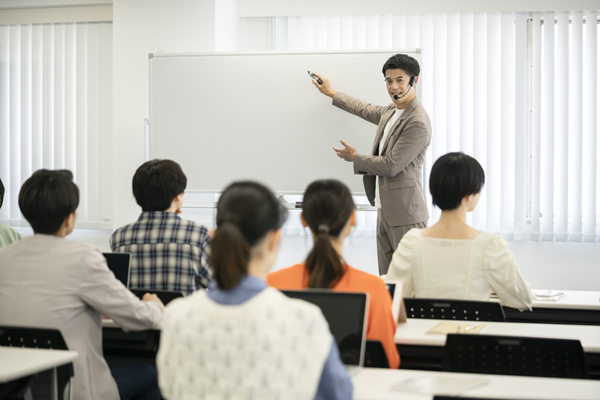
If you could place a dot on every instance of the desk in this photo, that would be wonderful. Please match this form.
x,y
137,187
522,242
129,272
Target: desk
x,y
20,362
577,307
373,383
421,350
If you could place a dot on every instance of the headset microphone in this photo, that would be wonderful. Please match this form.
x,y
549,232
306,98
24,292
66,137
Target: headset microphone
x,y
413,80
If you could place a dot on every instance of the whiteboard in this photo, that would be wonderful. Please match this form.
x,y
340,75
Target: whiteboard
x,y
234,116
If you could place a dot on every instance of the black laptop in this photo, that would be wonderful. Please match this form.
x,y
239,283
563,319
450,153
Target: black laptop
x,y
120,265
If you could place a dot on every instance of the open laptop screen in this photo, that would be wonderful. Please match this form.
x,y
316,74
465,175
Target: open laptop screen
x,y
346,315
119,264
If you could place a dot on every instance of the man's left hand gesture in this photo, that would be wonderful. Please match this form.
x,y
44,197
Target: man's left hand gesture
x,y
347,153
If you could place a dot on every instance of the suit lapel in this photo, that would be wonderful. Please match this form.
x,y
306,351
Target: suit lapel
x,y
398,125
380,128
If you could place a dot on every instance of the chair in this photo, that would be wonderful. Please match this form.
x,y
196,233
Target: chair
x,y
454,309
509,355
375,356
12,336
464,398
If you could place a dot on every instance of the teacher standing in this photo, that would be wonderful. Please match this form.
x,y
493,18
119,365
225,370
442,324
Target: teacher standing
x,y
392,171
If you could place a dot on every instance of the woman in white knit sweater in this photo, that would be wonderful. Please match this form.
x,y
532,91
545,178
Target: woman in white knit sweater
x,y
242,339
450,259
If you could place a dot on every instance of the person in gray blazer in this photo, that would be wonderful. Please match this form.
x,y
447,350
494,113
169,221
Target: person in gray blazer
x,y
392,171
47,281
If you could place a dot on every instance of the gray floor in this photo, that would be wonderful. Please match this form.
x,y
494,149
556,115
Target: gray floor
x,y
567,266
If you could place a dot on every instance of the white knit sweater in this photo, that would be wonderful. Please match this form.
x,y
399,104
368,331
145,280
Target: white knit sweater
x,y
270,347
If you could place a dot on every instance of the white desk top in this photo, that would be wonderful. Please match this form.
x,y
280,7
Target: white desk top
x,y
414,332
18,362
109,323
373,383
574,299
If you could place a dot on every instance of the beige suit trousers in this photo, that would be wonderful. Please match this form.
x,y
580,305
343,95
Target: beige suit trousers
x,y
388,238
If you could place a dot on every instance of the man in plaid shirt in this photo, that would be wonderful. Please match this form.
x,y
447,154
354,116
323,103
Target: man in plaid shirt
x,y
167,252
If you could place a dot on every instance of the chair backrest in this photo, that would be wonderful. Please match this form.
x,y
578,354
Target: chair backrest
x,y
375,356
454,309
510,355
12,336
465,398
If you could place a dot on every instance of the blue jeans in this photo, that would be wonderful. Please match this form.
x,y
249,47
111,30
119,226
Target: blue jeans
x,y
136,382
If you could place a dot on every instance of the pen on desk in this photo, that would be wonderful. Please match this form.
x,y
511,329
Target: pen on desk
x,y
468,328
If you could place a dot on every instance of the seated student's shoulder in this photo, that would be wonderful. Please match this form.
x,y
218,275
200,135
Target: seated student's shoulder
x,y
358,278
288,278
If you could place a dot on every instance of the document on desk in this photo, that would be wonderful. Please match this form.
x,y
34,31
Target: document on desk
x,y
548,295
458,327
439,385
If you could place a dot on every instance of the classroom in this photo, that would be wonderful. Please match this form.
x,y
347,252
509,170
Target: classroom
x,y
335,199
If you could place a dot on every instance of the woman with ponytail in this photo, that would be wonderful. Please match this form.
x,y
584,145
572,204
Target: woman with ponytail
x,y
329,211
242,339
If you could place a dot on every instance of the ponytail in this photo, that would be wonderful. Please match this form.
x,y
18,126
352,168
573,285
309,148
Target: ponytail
x,y
230,254
327,207
324,265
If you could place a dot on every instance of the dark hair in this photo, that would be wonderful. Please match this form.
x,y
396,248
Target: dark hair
x,y
47,198
453,177
156,183
246,212
1,193
403,62
327,206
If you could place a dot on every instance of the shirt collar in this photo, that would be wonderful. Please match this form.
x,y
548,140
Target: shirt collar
x,y
157,215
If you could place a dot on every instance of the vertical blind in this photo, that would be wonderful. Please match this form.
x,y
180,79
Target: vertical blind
x,y
517,91
56,112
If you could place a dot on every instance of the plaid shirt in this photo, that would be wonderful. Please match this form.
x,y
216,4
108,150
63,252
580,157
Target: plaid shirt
x,y
167,252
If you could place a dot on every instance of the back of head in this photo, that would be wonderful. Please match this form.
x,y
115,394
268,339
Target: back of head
x,y
453,177
246,212
327,207
1,193
47,198
403,62
156,183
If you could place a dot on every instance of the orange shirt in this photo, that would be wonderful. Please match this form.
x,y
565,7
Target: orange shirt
x,y
381,325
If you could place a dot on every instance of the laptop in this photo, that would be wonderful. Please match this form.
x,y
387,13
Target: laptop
x,y
120,265
347,315
396,289
166,296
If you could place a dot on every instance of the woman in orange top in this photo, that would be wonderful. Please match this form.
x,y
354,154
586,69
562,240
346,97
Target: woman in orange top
x,y
330,213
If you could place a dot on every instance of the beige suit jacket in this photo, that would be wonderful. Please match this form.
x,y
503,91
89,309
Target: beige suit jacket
x,y
49,282
400,161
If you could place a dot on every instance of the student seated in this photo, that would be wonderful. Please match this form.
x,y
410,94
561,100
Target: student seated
x,y
329,211
47,281
242,339
7,234
167,252
450,259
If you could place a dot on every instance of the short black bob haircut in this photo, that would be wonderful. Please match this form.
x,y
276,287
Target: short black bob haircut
x,y
403,62
1,193
156,183
453,177
47,198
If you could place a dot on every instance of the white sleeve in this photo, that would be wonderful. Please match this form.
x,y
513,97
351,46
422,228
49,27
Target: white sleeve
x,y
401,268
503,275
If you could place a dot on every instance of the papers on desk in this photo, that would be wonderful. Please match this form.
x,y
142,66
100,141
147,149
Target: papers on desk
x,y
457,327
548,295
440,385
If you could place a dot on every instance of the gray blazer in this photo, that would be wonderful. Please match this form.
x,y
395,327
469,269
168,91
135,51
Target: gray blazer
x,y
49,282
400,162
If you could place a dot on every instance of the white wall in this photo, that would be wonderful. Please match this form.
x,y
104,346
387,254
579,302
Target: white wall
x,y
141,27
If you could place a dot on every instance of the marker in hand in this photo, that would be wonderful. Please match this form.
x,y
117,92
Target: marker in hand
x,y
319,81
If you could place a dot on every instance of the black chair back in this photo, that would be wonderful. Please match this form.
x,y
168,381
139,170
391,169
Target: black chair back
x,y
375,356
509,355
454,310
11,336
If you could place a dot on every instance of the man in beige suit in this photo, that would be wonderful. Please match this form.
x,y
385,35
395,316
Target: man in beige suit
x,y
392,172
47,281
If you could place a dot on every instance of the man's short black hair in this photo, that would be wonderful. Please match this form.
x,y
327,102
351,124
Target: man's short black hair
x,y
453,177
1,193
403,62
156,183
47,198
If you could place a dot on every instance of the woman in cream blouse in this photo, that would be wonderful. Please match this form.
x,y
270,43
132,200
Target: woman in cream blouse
x,y
450,259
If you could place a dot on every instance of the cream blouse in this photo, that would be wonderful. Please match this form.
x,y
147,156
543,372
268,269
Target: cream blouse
x,y
460,269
